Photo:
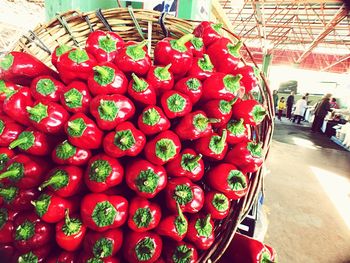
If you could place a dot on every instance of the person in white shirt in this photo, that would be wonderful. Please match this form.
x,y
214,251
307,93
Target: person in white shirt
x,y
300,107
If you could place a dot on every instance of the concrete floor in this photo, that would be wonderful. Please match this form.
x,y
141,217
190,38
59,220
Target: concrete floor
x,y
307,197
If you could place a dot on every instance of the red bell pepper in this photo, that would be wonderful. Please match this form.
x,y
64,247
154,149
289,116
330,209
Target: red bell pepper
x,y
162,148
180,252
247,156
202,68
126,140
18,199
21,68
103,244
174,52
244,249
76,64
141,91
110,110
216,204
190,86
225,55
250,77
76,97
24,172
7,88
212,146
70,233
237,131
91,259
48,117
221,86
220,110
201,231
143,215
46,88
9,130
146,179
272,251
251,111
58,52
152,120
175,104
226,178
51,208
188,195
194,126
65,153
104,46
173,226
83,132
107,79
143,247
33,142
64,181
5,155
197,46
38,255
6,226
16,103
133,58
101,212
188,164
102,173
31,233
208,31
63,257
160,78
7,252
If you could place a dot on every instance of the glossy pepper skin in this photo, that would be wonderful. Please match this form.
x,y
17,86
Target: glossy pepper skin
x,y
101,212
6,226
180,252
190,86
9,130
38,255
21,68
126,140
248,156
104,45
47,117
5,155
225,55
16,103
213,146
66,153
249,75
162,148
152,120
173,226
133,58
174,52
58,52
30,232
226,178
46,88
197,46
64,181
63,256
7,252
251,111
107,79
187,164
83,132
76,97
208,31
90,258
76,64
160,78
188,195
110,110
216,204
142,247
33,142
70,233
24,171
18,199
202,68
175,104
194,126
141,91
146,179
201,231
237,131
143,215
103,244
220,110
102,173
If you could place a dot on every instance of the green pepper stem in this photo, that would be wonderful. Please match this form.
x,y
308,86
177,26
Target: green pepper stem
x,y
105,108
53,180
101,71
213,120
18,142
7,192
179,211
66,217
184,39
8,173
223,137
233,101
136,79
195,159
207,220
141,44
73,126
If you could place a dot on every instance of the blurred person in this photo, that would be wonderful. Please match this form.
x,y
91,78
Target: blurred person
x,y
300,107
275,98
290,102
334,104
281,106
321,111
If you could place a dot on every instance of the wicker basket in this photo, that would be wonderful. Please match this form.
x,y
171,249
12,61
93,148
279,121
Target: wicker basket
x,y
72,28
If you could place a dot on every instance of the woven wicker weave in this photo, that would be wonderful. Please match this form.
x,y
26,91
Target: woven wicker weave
x,y
72,28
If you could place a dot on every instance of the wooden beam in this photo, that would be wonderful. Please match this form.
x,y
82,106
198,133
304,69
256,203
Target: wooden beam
x,y
221,15
337,62
339,16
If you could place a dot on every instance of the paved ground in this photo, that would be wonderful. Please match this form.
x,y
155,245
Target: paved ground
x,y
308,197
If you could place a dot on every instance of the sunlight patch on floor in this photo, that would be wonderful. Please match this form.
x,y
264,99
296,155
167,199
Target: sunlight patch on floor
x,y
305,143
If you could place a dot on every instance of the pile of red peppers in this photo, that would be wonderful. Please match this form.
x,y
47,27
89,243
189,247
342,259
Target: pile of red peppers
x,y
105,159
